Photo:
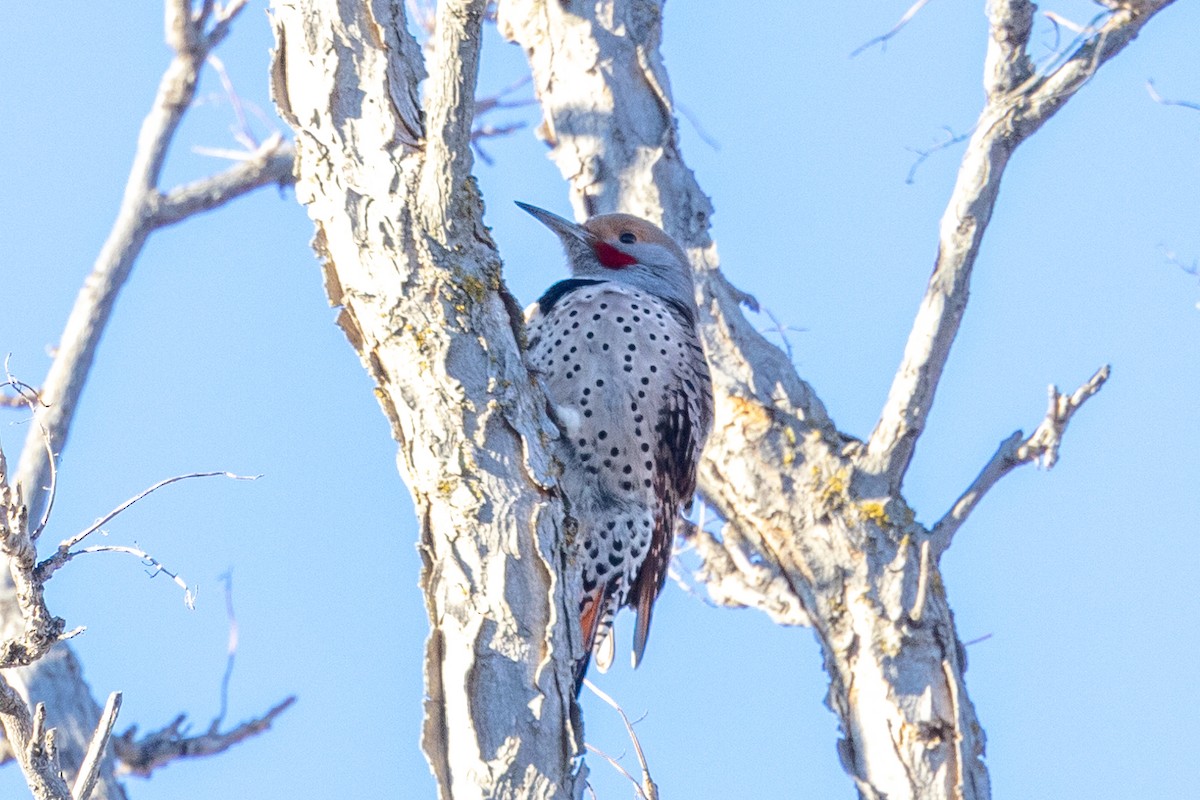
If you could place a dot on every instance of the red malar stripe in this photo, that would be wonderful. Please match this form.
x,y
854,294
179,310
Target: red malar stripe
x,y
611,257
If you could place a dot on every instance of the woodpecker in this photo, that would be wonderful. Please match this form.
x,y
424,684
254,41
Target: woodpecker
x,y
617,349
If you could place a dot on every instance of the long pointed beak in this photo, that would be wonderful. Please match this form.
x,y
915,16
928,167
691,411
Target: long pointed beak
x,y
563,227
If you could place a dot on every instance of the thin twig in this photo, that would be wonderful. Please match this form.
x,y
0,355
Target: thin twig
x,y
1158,98
231,652
1174,260
156,567
647,786
694,121
33,402
882,39
637,787
47,567
977,640
79,537
951,138
782,330
1040,446
242,133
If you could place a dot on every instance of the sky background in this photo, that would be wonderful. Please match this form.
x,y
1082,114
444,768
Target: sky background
x,y
223,355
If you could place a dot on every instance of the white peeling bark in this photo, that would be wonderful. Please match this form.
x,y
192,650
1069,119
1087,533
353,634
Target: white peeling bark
x,y
818,530
407,258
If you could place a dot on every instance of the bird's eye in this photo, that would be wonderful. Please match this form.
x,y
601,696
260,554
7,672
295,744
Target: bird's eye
x,y
627,238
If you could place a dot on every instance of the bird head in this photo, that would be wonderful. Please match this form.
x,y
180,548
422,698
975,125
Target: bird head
x,y
623,248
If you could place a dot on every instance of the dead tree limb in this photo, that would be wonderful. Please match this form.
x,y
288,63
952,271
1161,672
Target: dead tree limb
x,y
192,32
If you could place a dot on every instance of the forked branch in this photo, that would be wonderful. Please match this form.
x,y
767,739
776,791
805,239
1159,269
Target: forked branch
x,y
32,744
1019,101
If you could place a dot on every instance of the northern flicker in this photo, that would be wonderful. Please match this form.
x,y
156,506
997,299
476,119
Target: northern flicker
x,y
617,349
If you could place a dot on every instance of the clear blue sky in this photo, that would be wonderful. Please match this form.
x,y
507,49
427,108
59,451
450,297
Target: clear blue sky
x,y
223,355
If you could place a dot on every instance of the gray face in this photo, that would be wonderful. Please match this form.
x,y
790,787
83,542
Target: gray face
x,y
624,248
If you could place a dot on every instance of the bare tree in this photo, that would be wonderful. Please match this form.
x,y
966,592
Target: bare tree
x,y
817,526
55,730
817,529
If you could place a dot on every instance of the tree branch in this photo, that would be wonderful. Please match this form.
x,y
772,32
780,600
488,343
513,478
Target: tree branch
x,y
39,629
142,211
646,788
1018,103
89,770
883,38
63,554
32,744
737,575
1041,445
270,164
141,756
192,34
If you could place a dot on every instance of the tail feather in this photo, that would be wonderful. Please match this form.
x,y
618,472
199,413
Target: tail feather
x,y
605,644
595,620
645,608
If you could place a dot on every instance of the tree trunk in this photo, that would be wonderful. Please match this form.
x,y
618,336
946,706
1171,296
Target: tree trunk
x,y
414,271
